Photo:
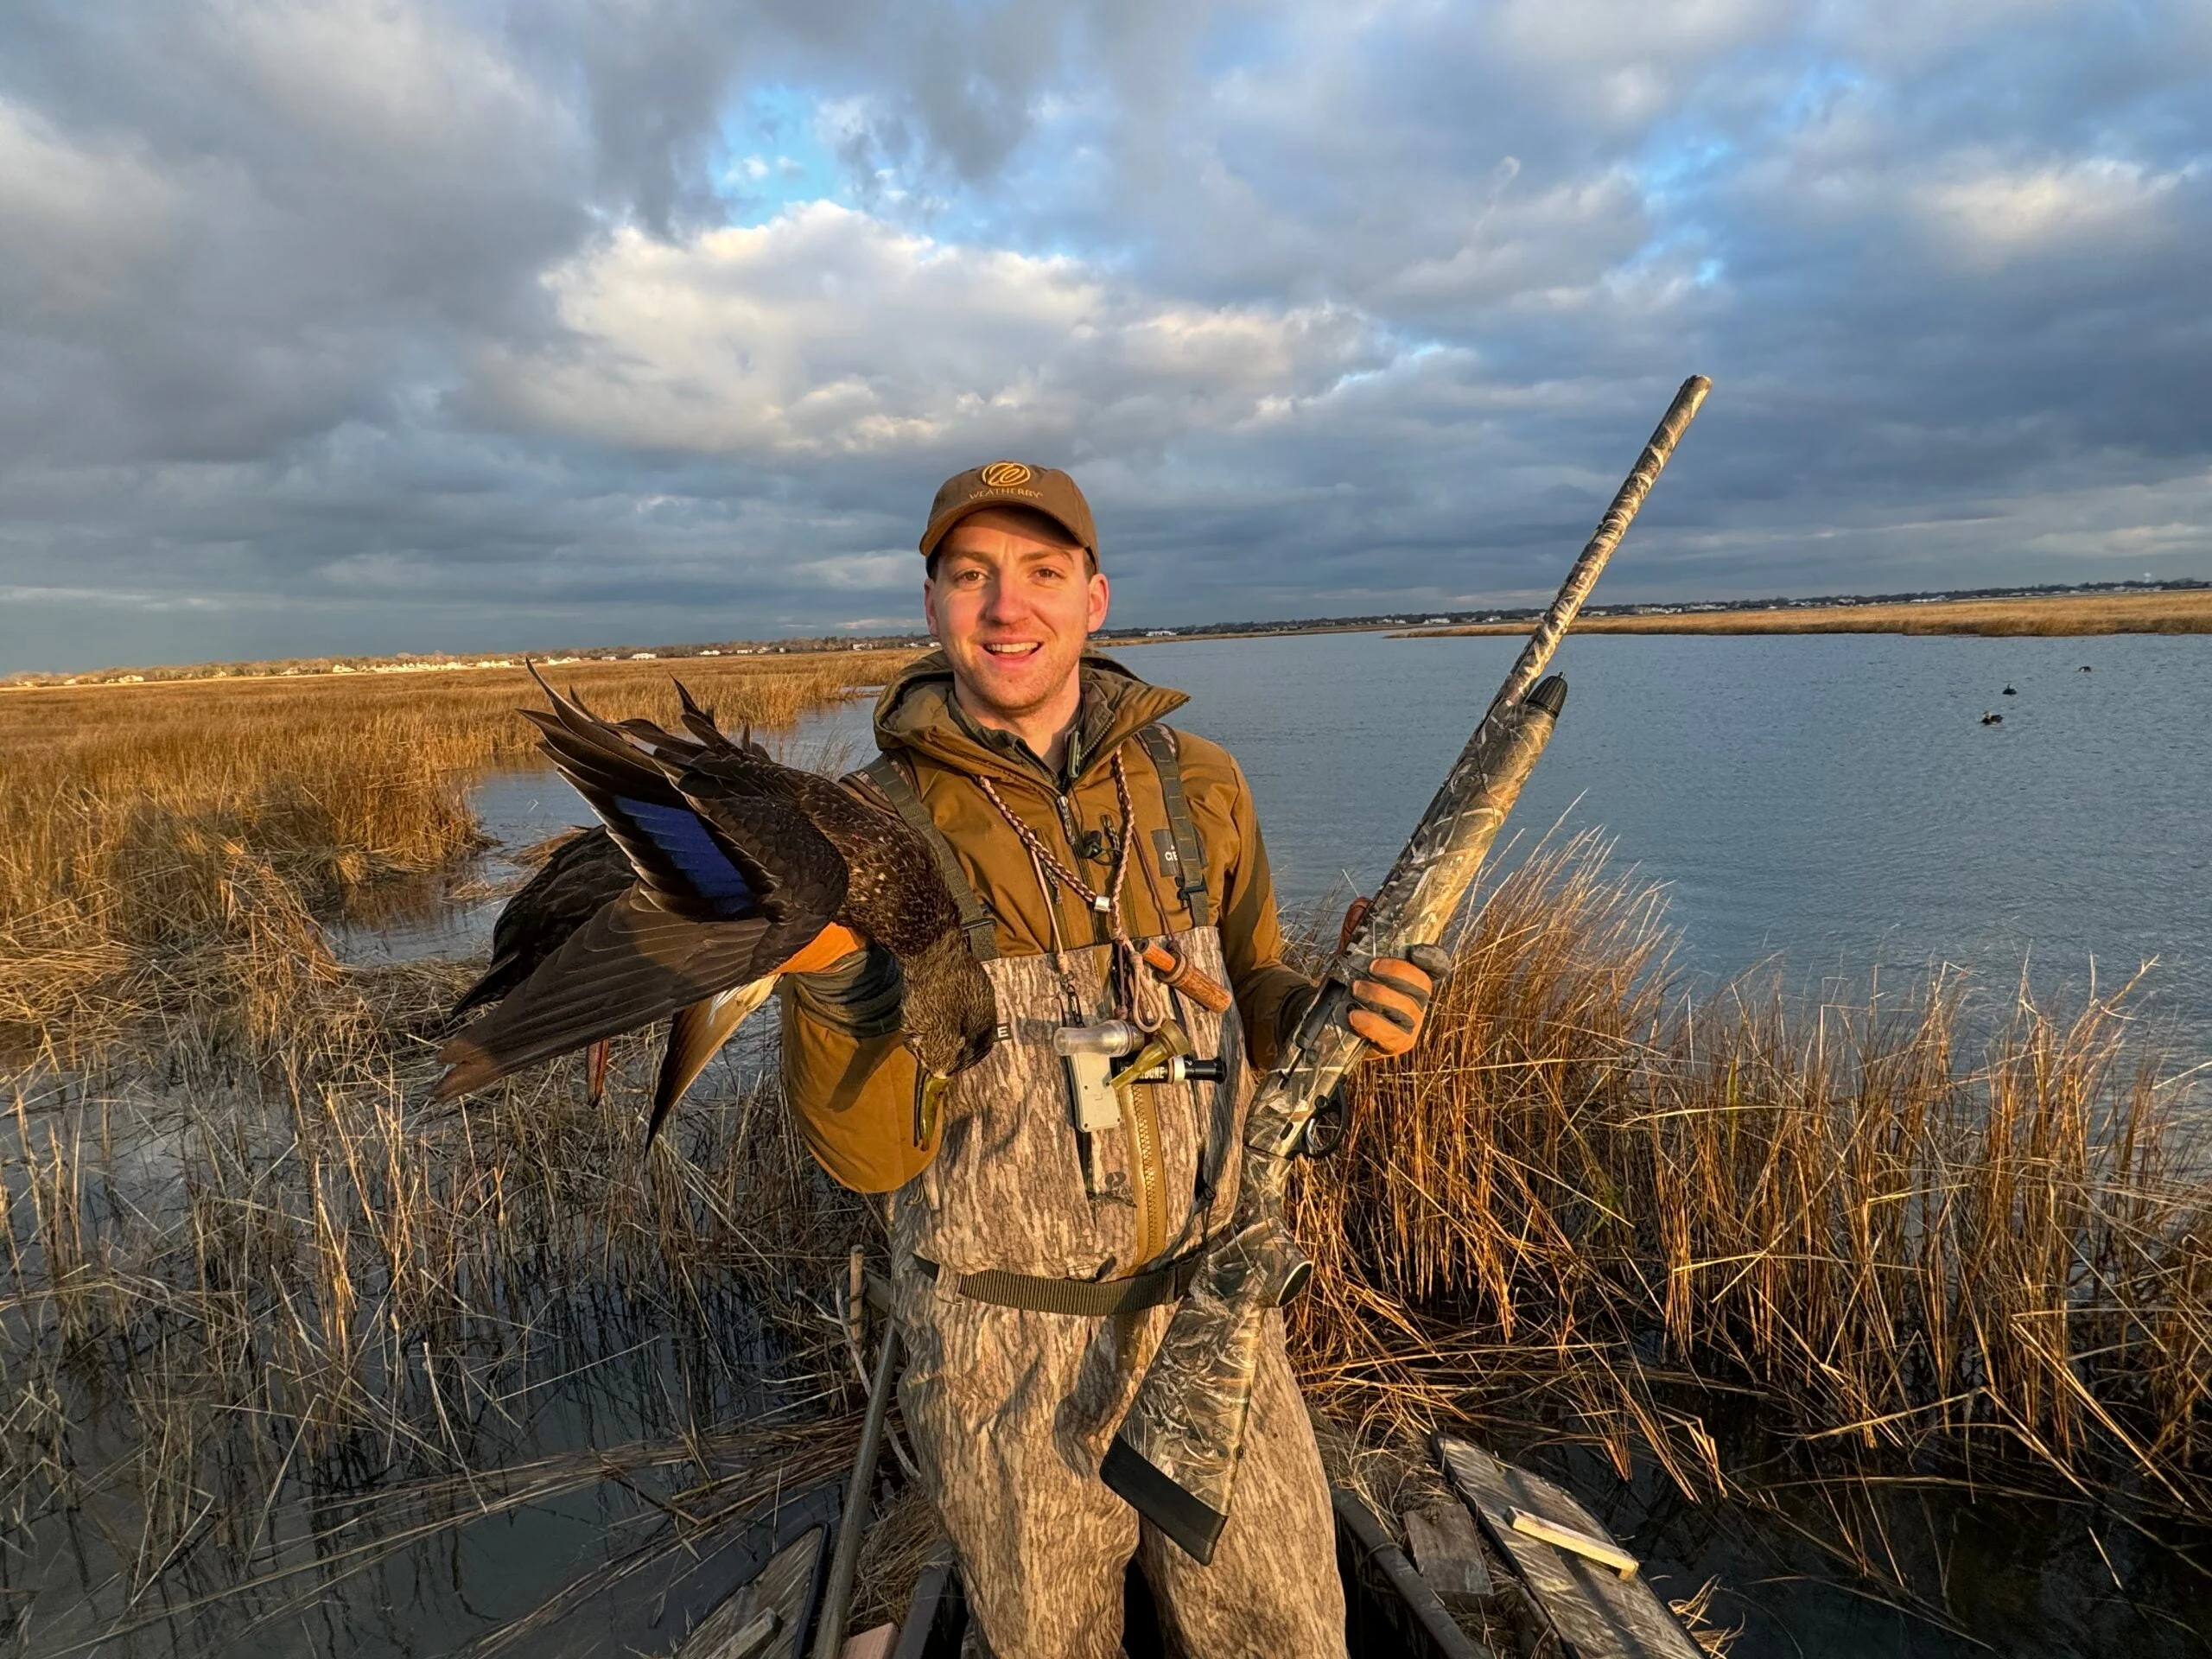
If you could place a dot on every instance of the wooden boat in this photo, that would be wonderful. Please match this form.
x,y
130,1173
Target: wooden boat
x,y
771,1615
1513,1554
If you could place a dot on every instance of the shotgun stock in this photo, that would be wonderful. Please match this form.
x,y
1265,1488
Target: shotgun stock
x,y
1174,1457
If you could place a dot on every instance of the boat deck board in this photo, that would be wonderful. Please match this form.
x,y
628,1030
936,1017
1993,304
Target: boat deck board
x,y
765,1618
1597,1614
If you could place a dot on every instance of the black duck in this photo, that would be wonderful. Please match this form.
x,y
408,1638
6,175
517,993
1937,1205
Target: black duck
x,y
740,863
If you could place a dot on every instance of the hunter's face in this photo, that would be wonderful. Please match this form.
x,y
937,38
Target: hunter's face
x,y
1011,603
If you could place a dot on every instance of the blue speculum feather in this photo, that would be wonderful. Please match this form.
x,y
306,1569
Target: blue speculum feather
x,y
691,847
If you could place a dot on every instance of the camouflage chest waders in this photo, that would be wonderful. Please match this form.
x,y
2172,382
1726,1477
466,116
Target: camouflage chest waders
x,y
1033,1276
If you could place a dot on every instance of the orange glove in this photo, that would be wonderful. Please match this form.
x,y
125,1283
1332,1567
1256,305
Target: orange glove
x,y
1390,1000
825,949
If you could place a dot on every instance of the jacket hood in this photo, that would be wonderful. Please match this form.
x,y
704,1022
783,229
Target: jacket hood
x,y
917,712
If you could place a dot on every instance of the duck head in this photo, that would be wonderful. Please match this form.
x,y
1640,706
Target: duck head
x,y
950,1016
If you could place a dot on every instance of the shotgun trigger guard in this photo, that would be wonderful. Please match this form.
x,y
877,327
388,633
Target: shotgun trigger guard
x,y
1324,1131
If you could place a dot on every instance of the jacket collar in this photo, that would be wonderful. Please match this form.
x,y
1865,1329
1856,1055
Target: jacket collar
x,y
917,712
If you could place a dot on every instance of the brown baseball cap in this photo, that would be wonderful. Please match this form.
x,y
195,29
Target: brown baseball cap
x,y
1012,484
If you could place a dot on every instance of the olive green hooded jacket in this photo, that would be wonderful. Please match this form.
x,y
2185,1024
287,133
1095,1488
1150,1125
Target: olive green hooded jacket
x,y
849,1079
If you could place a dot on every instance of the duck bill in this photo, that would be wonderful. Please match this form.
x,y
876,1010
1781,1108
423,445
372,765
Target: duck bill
x,y
928,1107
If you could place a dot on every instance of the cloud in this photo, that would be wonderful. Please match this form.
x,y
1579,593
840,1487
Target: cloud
x,y
828,333
1991,214
353,324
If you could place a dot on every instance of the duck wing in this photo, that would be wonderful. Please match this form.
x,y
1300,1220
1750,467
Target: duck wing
x,y
632,963
585,872
732,879
737,846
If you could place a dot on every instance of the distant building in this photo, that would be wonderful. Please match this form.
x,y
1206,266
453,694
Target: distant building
x,y
645,656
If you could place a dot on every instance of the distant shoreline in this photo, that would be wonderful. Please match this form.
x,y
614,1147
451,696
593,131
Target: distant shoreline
x,y
2063,616
2176,607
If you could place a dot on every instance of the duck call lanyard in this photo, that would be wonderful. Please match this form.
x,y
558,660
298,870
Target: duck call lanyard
x,y
1106,903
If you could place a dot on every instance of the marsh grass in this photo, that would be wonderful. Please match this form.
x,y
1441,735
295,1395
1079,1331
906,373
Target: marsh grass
x,y
1639,1218
249,1283
218,1310
166,846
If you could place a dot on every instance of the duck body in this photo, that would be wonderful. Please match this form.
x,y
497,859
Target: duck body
x,y
738,864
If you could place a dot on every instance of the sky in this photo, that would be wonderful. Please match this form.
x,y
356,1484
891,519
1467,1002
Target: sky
x,y
354,326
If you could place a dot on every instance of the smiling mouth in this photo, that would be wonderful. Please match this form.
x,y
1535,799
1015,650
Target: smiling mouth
x,y
1021,649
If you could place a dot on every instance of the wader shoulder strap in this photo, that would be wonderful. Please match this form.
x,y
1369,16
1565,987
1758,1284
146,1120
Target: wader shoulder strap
x,y
1189,852
975,921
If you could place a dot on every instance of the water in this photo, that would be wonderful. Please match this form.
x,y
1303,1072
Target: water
x,y
1832,798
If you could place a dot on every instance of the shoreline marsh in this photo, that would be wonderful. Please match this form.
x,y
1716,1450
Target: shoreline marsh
x,y
2079,615
251,1277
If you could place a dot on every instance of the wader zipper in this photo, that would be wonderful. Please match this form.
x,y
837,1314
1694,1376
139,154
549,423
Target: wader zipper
x,y
1141,1118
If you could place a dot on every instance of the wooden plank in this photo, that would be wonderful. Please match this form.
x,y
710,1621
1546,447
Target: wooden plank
x,y
1447,1552
765,1618
1597,1614
1588,1546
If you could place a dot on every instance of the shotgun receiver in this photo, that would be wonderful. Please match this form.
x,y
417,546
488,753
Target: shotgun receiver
x,y
1174,1457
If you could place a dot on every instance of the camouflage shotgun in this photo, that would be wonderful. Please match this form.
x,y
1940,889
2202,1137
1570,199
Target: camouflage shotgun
x,y
1174,1457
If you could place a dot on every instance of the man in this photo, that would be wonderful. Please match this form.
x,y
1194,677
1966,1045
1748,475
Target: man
x,y
1038,1232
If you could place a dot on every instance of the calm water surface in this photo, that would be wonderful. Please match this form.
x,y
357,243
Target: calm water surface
x,y
1834,798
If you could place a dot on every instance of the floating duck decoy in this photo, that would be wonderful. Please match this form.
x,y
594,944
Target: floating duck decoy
x,y
1990,718
2010,692
742,864
584,874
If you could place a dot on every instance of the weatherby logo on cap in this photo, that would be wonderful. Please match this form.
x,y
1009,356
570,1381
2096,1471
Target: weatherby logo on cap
x,y
1005,475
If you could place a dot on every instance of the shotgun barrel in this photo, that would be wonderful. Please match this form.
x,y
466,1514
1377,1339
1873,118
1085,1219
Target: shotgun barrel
x,y
1174,1457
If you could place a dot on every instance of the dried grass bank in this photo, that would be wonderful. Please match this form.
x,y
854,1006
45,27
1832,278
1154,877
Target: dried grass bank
x,y
1638,1219
250,1279
154,838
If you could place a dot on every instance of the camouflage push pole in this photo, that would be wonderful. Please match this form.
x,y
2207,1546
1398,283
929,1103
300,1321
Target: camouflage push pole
x,y
1175,1455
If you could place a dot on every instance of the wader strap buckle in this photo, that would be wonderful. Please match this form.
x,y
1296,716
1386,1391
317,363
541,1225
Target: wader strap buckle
x,y
1189,852
975,922
1093,1299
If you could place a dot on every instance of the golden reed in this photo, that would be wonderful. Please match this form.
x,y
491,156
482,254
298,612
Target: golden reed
x,y
144,826
236,1240
1589,1202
